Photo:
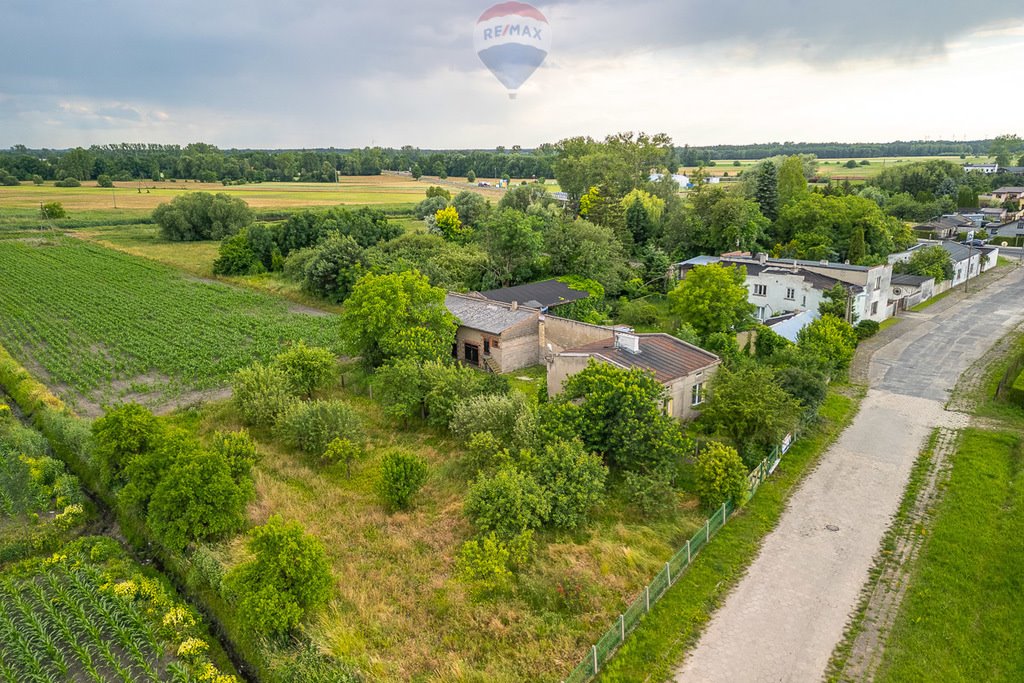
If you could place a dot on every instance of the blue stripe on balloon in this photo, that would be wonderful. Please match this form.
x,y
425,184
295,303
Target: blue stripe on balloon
x,y
512,63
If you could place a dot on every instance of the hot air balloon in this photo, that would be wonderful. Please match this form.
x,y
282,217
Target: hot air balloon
x,y
512,39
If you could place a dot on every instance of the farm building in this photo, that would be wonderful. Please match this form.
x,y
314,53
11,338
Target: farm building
x,y
682,368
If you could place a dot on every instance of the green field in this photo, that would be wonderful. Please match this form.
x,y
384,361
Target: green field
x,y
836,168
963,614
99,325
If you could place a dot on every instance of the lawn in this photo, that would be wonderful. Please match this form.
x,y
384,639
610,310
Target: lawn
x,y
963,614
99,325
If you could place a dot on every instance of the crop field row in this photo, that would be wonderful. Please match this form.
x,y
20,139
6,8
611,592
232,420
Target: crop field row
x,y
58,626
100,325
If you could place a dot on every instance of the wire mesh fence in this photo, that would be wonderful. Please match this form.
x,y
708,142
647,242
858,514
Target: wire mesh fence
x,y
605,647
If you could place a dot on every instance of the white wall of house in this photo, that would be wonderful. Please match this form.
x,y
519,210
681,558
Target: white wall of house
x,y
775,293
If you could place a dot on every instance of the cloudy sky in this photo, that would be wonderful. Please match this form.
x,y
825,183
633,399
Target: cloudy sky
x,y
349,73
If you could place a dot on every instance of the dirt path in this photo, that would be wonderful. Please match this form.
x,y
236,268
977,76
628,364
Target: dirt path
x,y
784,618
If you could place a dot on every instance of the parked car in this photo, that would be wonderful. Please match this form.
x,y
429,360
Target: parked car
x,y
973,243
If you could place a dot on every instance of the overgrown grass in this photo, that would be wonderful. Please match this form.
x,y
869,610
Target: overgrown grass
x,y
963,614
673,625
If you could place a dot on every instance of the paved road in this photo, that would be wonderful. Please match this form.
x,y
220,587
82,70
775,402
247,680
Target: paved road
x,y
784,618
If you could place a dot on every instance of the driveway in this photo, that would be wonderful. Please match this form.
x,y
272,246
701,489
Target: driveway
x,y
786,615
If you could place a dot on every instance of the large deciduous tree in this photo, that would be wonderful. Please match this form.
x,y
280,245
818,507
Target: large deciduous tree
x,y
513,242
397,315
202,216
713,298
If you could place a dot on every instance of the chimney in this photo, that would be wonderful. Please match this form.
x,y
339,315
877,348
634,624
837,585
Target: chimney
x,y
515,306
629,343
823,261
762,258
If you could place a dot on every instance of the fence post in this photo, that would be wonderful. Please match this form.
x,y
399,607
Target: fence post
x,y
707,530
647,598
593,648
687,552
723,515
668,571
622,627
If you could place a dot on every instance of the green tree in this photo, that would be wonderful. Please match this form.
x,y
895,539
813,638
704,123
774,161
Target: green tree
x,y
236,258
343,451
401,389
792,182
618,414
1004,147
513,243
737,224
397,315
578,247
713,298
402,473
239,451
720,475
856,252
508,502
288,576
307,368
747,406
202,216
336,264
830,338
767,190
472,207
104,180
574,481
416,172
53,211
438,191
197,499
932,261
638,222
120,435
471,176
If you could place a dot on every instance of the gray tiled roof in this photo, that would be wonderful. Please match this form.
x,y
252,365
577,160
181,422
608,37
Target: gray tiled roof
x,y
487,316
908,280
664,355
544,294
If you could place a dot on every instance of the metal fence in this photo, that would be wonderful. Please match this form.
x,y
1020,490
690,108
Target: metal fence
x,y
601,651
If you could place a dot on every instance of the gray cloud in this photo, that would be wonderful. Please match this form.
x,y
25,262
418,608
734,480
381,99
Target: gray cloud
x,y
360,64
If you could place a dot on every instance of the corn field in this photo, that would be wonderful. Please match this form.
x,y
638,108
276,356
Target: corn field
x,y
58,626
101,324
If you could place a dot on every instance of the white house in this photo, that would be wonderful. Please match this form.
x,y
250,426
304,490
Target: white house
x,y
968,262
987,169
681,180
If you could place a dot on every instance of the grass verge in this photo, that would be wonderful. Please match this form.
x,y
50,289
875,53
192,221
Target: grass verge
x,y
962,617
658,644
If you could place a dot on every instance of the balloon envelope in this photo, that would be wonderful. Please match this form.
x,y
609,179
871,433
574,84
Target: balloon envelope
x,y
512,39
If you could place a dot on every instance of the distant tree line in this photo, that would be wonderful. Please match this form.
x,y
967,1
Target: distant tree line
x,y
207,163
694,156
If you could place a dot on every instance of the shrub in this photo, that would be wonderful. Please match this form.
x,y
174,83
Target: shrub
x,y
495,413
488,562
401,476
239,450
638,313
288,575
337,262
236,258
307,368
866,328
53,211
831,338
574,481
37,179
202,216
8,179
196,499
311,426
342,450
123,433
295,265
68,182
508,503
104,181
720,475
803,384
652,494
260,392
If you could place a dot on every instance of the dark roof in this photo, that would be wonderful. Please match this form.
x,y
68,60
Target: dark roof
x,y
544,294
781,318
664,355
958,252
908,280
487,316
1008,189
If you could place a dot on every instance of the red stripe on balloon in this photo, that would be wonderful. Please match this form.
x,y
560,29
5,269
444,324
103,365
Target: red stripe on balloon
x,y
507,8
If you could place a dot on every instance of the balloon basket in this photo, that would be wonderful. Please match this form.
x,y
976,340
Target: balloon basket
x,y
512,95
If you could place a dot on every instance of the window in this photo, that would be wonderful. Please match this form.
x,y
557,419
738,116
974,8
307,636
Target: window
x,y
878,282
762,312
874,308
790,293
760,290
697,394
487,346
